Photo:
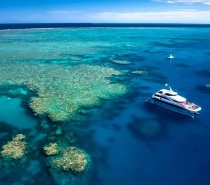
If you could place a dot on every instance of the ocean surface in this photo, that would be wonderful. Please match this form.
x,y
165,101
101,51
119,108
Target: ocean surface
x,y
129,141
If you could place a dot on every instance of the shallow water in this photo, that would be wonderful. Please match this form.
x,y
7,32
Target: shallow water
x,y
129,141
19,118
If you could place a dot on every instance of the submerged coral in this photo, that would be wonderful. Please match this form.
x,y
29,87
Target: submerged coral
x,y
14,149
204,88
121,62
62,91
207,86
71,159
148,128
140,72
51,149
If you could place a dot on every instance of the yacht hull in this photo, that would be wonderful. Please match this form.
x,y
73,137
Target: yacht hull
x,y
173,108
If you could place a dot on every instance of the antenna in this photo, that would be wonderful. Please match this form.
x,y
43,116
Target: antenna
x,y
168,86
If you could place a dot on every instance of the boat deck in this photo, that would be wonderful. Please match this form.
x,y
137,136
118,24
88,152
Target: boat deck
x,y
189,105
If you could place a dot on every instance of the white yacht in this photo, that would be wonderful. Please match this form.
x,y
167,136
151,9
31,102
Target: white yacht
x,y
170,100
170,56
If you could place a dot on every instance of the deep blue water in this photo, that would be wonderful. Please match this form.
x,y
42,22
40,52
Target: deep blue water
x,y
129,141
83,25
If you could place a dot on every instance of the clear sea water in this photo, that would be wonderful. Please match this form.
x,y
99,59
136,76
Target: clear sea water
x,y
129,141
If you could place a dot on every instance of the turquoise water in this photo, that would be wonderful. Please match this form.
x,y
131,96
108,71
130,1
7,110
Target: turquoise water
x,y
19,118
129,141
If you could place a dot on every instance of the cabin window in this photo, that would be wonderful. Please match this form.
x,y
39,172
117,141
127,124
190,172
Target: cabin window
x,y
167,94
178,101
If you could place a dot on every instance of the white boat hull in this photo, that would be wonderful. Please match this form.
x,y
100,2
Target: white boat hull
x,y
172,107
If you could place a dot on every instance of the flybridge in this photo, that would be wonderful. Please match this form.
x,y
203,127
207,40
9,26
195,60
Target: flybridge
x,y
169,94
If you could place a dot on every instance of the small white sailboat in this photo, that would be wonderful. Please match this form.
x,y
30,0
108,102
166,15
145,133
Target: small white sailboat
x,y
170,56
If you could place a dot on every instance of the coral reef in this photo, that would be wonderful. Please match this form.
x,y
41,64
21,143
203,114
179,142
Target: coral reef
x,y
14,149
71,159
51,149
62,91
